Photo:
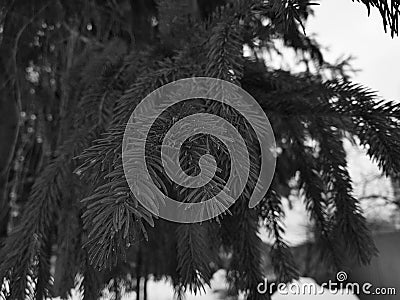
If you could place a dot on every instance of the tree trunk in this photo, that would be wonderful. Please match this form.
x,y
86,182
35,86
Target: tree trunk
x,y
10,105
138,273
145,287
8,137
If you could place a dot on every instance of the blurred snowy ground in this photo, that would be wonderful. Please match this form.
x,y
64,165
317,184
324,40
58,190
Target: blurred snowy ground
x,y
162,291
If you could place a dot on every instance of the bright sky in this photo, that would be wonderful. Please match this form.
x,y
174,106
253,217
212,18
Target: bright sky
x,y
344,27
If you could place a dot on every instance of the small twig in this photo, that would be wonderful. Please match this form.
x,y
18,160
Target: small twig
x,y
83,38
376,196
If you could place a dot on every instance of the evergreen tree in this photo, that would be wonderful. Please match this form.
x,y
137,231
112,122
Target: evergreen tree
x,y
75,70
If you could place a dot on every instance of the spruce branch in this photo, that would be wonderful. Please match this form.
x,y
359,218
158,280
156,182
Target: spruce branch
x,y
281,256
225,45
104,151
376,122
314,190
345,105
389,11
32,236
195,256
113,220
350,226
